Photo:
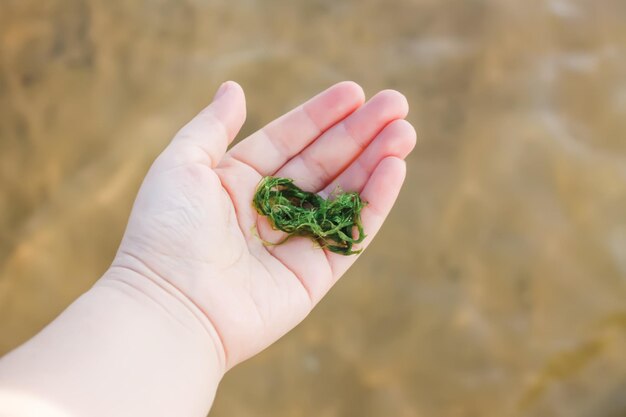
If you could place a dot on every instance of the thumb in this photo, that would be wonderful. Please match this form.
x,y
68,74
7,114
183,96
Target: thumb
x,y
215,127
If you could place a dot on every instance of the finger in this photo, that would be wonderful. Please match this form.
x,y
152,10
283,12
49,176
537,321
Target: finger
x,y
332,152
380,193
397,139
215,127
271,147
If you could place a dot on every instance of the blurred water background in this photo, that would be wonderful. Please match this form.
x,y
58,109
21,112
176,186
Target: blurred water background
x,y
497,286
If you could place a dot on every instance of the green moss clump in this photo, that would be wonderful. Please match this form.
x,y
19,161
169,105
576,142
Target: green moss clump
x,y
330,222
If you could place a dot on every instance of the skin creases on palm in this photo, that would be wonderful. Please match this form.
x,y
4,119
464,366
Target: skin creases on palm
x,y
193,230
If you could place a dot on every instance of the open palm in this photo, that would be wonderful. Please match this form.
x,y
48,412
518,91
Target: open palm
x,y
194,233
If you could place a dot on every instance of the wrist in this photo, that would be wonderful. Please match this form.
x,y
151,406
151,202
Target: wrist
x,y
168,306
122,348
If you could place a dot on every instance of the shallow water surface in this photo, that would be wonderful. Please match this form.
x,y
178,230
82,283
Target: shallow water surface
x,y
498,285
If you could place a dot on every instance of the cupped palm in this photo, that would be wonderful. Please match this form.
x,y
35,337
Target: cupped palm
x,y
193,230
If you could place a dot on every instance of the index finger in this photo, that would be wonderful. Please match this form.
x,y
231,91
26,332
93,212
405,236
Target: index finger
x,y
271,147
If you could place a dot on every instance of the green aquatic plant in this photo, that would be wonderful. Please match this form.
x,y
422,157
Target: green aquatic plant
x,y
330,222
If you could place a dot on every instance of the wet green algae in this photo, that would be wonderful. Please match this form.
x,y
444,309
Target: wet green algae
x,y
330,222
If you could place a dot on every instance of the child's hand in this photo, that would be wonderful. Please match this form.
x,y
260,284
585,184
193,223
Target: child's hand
x,y
193,290
193,230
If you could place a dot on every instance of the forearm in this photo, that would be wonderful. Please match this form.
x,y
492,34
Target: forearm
x,y
118,350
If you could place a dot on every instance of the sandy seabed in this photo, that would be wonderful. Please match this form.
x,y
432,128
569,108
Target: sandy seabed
x,y
498,285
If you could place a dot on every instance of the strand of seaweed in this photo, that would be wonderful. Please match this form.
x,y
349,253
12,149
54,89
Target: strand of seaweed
x,y
329,222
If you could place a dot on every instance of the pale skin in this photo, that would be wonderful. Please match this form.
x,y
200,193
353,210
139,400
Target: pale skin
x,y
193,291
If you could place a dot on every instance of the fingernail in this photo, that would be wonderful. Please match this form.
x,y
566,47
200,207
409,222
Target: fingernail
x,y
220,91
